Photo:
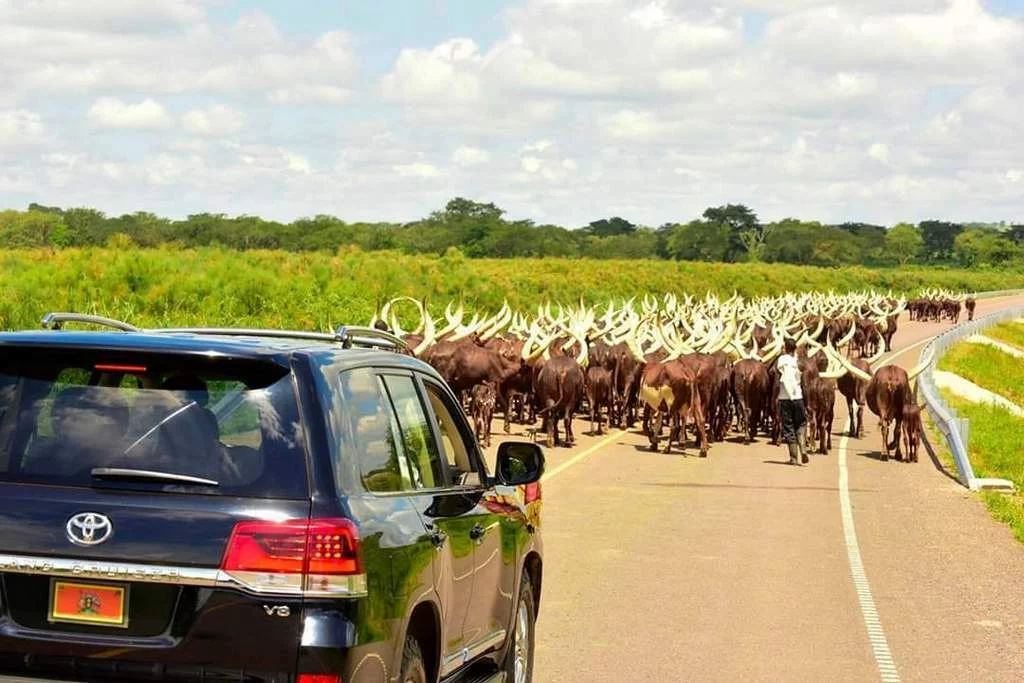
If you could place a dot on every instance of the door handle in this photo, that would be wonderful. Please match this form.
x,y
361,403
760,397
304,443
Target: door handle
x,y
477,532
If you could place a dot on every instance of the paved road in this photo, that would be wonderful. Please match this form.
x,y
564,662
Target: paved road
x,y
674,568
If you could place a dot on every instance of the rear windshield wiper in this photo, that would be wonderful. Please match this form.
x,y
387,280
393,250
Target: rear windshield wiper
x,y
148,475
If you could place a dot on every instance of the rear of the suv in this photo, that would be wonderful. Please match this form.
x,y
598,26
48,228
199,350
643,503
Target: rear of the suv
x,y
155,508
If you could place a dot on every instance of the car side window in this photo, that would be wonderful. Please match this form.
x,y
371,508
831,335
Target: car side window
x,y
382,463
414,426
454,439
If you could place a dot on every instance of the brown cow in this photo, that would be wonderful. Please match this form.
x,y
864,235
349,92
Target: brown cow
x,y
599,395
969,304
625,384
888,393
820,399
671,388
750,391
854,388
912,429
559,387
482,399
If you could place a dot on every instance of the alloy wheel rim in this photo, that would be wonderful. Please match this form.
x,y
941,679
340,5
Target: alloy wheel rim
x,y
522,644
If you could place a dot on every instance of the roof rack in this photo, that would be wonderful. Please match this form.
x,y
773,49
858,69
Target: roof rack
x,y
347,335
55,321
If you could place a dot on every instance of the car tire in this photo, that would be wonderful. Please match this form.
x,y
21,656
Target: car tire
x,y
413,669
519,658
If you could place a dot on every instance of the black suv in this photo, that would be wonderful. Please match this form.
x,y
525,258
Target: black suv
x,y
254,505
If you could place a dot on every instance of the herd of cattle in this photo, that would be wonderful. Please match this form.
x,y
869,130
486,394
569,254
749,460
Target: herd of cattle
x,y
936,305
706,365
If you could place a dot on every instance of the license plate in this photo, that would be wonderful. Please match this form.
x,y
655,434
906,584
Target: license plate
x,y
86,603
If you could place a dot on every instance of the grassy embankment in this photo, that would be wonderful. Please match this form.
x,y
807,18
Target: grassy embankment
x,y
996,434
1009,333
989,368
320,290
995,449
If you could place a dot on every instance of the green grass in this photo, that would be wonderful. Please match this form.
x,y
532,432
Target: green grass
x,y
987,367
320,290
1010,333
995,448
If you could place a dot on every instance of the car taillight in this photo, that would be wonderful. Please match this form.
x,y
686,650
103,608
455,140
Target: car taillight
x,y
318,678
318,558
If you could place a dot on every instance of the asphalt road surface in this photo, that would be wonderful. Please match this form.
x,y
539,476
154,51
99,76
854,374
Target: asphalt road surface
x,y
738,566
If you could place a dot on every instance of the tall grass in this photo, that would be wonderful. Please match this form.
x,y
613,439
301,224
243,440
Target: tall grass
x,y
988,367
995,450
218,286
1010,333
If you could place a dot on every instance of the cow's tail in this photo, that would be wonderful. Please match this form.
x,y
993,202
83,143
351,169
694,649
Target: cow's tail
x,y
561,393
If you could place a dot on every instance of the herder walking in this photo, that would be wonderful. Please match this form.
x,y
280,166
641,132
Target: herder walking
x,y
791,404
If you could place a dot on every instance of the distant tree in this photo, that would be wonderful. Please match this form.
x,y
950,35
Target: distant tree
x,y
981,247
609,227
903,243
939,237
746,234
86,226
863,229
44,209
700,241
1016,233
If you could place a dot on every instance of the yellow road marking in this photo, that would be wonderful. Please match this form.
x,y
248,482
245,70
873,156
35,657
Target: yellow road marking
x,y
576,458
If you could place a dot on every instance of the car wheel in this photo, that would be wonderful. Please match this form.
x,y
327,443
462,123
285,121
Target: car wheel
x,y
519,660
413,670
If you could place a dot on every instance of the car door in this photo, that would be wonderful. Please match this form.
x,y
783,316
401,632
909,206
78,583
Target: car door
x,y
445,513
480,522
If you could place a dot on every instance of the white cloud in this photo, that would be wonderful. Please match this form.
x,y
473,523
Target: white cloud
x,y
417,169
471,156
298,163
879,152
866,110
168,46
110,112
214,121
20,127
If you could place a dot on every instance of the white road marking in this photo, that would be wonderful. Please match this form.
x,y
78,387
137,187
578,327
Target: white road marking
x,y
575,459
872,622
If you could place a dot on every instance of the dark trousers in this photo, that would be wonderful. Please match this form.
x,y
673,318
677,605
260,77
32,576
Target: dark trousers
x,y
793,418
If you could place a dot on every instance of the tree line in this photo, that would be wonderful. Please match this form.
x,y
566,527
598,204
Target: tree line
x,y
732,233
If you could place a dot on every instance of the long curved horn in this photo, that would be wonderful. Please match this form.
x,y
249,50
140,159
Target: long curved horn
x,y
429,334
853,369
922,366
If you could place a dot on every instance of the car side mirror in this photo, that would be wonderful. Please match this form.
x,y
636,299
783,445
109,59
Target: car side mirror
x,y
519,463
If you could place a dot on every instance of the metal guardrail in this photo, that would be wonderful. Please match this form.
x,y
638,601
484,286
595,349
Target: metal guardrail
x,y
954,428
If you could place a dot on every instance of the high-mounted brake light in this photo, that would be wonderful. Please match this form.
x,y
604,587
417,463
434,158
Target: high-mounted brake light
x,y
316,558
120,368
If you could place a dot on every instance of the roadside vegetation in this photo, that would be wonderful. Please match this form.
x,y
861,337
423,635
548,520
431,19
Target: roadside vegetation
x,y
989,368
320,290
732,233
1009,333
995,447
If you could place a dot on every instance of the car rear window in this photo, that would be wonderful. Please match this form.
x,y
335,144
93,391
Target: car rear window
x,y
65,414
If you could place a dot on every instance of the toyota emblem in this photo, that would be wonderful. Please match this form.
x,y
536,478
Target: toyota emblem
x,y
89,528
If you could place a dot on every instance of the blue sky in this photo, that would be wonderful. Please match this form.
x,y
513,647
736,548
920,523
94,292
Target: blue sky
x,y
559,110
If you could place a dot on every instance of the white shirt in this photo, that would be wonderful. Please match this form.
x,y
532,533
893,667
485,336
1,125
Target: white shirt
x,y
789,378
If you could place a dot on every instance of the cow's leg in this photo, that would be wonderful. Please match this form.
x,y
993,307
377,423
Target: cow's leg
x,y
654,432
829,418
505,401
883,427
702,436
853,417
549,426
570,437
896,437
